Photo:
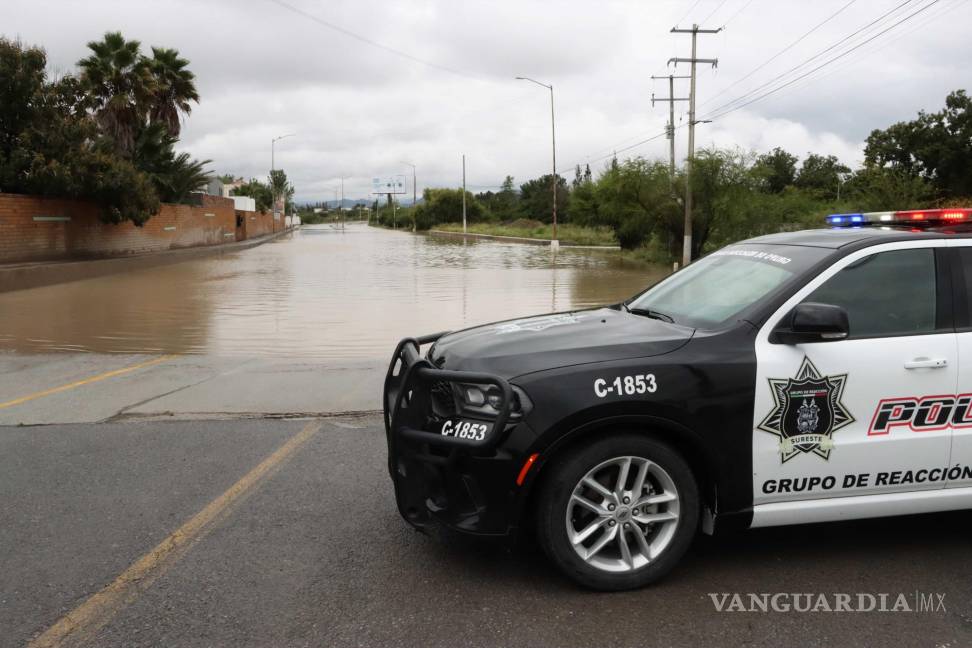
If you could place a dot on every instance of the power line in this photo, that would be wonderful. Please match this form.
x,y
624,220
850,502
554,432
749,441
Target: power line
x,y
880,47
778,54
712,13
825,63
745,95
690,10
733,16
376,44
614,152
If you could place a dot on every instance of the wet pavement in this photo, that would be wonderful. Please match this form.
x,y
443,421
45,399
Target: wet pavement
x,y
320,294
300,326
315,554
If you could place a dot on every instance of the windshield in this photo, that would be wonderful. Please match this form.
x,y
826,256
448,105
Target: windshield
x,y
723,284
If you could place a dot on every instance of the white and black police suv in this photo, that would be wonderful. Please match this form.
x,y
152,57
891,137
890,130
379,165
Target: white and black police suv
x,y
791,378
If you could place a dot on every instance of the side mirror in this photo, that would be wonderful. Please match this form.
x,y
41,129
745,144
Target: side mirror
x,y
812,322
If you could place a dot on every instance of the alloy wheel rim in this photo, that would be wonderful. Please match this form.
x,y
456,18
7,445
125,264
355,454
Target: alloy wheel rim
x,y
622,514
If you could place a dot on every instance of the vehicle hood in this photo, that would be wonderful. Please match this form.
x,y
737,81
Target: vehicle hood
x,y
516,347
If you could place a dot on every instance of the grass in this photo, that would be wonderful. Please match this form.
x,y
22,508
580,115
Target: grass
x,y
568,234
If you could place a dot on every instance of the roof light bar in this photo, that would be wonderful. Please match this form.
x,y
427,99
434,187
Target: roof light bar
x,y
929,216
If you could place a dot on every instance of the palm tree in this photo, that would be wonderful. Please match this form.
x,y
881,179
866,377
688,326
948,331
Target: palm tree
x,y
280,187
173,176
121,86
174,88
184,176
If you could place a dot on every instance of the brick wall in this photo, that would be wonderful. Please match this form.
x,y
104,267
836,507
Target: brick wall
x,y
41,229
259,224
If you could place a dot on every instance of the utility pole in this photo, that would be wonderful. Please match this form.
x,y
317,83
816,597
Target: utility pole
x,y
670,129
463,193
414,192
342,202
695,31
553,141
273,167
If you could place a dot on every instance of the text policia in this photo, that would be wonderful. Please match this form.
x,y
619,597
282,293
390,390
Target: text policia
x,y
865,480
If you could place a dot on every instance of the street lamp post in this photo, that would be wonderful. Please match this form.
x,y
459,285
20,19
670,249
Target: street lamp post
x,y
414,192
273,167
553,139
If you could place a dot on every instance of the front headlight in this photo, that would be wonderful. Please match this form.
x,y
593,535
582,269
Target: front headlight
x,y
486,400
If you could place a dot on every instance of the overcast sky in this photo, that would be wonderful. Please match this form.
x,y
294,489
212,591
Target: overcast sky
x,y
437,78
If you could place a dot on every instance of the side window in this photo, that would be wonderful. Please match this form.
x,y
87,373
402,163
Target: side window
x,y
965,265
885,294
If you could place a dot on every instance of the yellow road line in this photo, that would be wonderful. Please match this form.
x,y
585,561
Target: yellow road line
x,y
83,621
87,381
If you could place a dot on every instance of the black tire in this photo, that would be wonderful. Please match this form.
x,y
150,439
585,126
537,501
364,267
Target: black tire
x,y
557,489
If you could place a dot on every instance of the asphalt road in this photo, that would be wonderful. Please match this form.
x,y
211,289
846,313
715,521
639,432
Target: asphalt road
x,y
285,533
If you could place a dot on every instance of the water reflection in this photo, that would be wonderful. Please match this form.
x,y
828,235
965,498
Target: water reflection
x,y
321,294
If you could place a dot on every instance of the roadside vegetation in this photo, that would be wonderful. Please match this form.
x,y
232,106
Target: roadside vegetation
x,y
107,132
321,212
263,192
567,234
925,162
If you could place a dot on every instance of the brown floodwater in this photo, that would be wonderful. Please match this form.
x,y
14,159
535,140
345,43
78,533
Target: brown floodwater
x,y
321,293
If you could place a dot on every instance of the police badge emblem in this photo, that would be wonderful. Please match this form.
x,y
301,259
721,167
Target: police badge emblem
x,y
807,411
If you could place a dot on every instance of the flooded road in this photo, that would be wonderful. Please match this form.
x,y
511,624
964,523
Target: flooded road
x,y
320,294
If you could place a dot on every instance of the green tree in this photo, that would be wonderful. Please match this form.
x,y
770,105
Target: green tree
x,y
722,188
536,199
876,188
121,87
22,71
634,199
443,206
584,203
173,88
258,191
174,176
51,146
506,202
776,170
822,174
280,187
935,146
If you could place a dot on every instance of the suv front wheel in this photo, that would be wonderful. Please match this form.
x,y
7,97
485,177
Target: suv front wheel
x,y
618,513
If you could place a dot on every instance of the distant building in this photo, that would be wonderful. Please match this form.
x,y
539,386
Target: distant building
x,y
217,187
228,187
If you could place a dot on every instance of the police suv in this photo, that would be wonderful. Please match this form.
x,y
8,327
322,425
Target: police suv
x,y
797,377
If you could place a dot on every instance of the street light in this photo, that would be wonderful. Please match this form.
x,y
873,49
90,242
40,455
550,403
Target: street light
x,y
272,143
414,191
553,138
273,168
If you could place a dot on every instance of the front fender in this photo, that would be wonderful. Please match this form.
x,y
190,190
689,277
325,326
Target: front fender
x,y
702,406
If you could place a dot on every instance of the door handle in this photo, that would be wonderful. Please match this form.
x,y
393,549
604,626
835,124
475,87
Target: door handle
x,y
926,363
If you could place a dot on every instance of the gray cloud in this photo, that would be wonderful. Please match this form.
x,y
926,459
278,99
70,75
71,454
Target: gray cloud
x,y
360,110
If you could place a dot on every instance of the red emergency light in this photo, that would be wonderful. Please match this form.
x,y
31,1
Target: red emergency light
x,y
949,215
916,216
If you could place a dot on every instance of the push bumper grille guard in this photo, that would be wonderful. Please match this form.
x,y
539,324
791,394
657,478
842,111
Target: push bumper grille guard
x,y
416,456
